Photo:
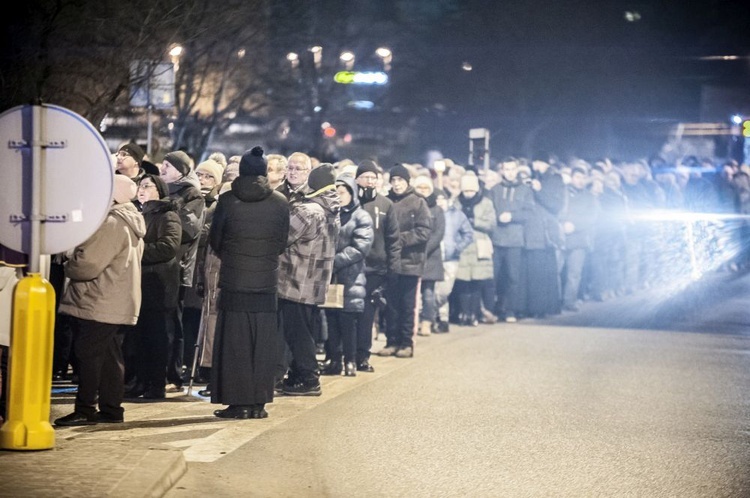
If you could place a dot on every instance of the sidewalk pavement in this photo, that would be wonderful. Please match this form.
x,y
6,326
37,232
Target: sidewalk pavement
x,y
83,467
103,460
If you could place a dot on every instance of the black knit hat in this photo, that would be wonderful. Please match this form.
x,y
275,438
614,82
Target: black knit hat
x,y
253,162
367,166
133,150
161,185
321,177
401,171
179,160
150,168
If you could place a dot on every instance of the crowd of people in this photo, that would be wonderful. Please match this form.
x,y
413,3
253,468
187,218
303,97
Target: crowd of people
x,y
250,268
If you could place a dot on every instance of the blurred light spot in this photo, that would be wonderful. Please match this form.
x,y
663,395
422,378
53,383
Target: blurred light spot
x,y
632,16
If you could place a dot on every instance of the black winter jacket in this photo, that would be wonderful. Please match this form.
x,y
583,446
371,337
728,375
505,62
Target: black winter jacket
x,y
160,266
385,254
249,231
191,208
415,224
543,228
433,267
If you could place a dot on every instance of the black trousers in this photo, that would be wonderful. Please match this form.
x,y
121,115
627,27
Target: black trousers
x,y
176,343
98,351
342,335
366,320
401,310
298,323
154,328
509,289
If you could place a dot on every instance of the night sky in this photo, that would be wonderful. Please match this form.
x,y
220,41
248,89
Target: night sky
x,y
590,77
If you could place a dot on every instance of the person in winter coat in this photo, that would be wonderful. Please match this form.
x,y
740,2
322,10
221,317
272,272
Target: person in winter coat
x,y
248,232
514,203
607,257
475,269
209,173
458,235
305,272
415,224
579,222
433,268
354,242
160,282
384,257
207,287
103,294
545,241
184,190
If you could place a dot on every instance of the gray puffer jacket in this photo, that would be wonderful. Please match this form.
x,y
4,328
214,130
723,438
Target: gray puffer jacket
x,y
355,240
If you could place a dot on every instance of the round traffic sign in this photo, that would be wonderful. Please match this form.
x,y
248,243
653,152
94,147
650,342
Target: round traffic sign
x,y
76,176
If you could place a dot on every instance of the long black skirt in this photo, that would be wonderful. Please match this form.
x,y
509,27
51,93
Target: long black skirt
x,y
543,283
246,346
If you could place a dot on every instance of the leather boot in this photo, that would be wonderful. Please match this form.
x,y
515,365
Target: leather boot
x,y
350,369
335,367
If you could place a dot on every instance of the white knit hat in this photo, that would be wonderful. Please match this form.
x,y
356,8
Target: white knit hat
x,y
124,189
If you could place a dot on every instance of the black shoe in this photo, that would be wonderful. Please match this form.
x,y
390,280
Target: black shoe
x,y
105,418
258,411
442,328
332,368
135,391
308,388
131,384
155,393
364,366
75,419
350,369
206,393
241,412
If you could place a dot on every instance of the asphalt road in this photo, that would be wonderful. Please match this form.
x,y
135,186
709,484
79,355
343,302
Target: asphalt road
x,y
644,396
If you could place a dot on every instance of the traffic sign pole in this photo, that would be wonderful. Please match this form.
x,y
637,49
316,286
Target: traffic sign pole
x,y
47,147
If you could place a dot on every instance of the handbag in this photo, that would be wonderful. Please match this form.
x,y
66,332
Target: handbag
x,y
334,296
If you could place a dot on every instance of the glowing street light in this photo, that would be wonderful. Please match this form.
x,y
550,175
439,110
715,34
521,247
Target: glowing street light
x,y
317,52
293,58
386,55
347,58
175,52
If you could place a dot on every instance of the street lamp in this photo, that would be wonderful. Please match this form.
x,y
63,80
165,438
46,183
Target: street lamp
x,y
386,55
347,58
293,59
317,52
175,52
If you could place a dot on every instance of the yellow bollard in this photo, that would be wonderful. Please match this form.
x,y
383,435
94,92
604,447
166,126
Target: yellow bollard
x,y
30,367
